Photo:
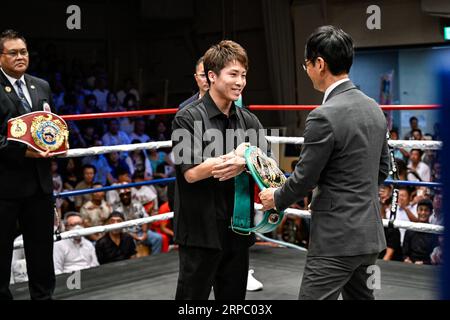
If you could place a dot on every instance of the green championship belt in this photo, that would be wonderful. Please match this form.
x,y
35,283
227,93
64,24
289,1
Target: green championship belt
x,y
266,174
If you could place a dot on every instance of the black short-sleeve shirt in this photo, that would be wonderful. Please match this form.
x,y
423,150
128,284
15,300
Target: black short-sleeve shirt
x,y
107,251
199,205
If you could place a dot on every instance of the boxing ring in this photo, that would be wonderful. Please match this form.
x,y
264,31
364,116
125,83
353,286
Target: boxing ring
x,y
276,265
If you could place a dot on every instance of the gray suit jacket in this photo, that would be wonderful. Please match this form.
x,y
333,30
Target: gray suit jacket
x,y
345,158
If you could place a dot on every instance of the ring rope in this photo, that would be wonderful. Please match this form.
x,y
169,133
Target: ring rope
x,y
82,152
387,107
413,144
167,180
413,183
112,187
408,225
164,110
281,243
105,228
93,151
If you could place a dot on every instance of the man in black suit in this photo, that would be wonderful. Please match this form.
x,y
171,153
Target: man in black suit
x,y
26,187
202,83
344,158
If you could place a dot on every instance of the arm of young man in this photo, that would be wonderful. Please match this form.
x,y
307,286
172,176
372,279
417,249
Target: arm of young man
x,y
195,166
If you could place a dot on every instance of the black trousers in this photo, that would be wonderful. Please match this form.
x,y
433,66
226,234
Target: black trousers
x,y
225,270
325,278
35,216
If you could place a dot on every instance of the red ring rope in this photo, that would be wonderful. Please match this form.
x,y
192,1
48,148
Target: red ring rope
x,y
251,107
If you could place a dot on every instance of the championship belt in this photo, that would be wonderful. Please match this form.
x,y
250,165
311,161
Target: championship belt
x,y
266,174
41,130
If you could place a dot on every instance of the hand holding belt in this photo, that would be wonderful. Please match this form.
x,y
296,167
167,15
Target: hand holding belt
x,y
41,130
266,174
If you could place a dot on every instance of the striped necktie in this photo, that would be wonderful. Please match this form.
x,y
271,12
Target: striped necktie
x,y
23,100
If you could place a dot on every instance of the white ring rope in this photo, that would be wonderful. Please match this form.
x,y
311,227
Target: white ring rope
x,y
287,140
281,243
408,225
106,228
118,148
413,144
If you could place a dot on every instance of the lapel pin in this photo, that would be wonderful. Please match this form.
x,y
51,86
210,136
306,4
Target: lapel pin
x,y
32,87
8,89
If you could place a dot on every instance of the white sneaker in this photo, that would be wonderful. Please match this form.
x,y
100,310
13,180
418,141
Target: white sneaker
x,y
252,283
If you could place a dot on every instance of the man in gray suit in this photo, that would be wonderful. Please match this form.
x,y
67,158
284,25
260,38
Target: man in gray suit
x,y
344,159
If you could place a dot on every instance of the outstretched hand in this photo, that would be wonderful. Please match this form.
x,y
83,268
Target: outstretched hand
x,y
267,198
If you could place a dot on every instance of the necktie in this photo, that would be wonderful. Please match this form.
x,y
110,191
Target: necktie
x,y
23,100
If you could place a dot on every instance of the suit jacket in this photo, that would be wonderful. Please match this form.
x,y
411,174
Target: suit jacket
x,y
21,176
195,97
344,158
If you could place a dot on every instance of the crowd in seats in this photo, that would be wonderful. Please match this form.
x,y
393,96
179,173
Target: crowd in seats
x,y
415,203
88,92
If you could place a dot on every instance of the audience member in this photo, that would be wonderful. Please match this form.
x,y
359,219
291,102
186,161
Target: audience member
x,y
132,209
115,245
437,217
418,246
86,183
146,195
96,211
76,253
417,169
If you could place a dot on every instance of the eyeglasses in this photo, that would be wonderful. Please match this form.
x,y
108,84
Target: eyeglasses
x,y
305,65
15,53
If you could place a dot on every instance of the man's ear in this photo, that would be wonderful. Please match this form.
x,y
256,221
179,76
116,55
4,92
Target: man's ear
x,y
322,64
211,76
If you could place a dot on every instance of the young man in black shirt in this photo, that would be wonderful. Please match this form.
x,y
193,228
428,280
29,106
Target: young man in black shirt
x,y
211,255
115,245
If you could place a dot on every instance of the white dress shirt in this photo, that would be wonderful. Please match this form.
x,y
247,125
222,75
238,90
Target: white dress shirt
x,y
24,86
330,88
423,170
402,216
69,256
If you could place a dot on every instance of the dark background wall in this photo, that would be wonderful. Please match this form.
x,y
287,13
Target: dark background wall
x,y
155,42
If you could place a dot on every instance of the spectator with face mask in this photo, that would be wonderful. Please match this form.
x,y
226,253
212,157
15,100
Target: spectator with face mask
x,y
76,253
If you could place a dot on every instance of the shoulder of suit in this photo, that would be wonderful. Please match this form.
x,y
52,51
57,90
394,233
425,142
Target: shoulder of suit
x,y
37,80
